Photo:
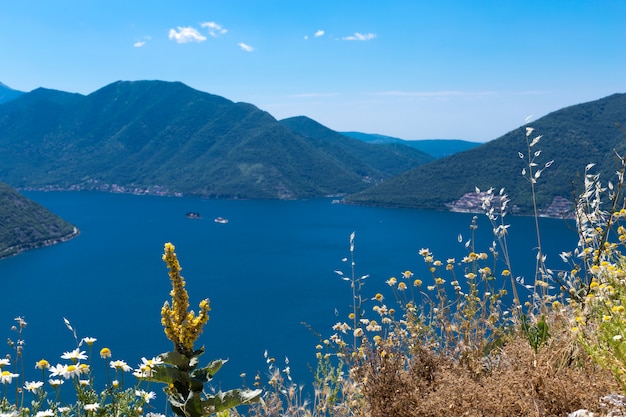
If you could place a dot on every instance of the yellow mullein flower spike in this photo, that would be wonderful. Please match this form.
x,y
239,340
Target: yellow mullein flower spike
x,y
181,326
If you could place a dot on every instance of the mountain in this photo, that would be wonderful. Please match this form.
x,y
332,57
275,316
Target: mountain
x,y
165,137
573,137
437,148
8,94
25,224
388,159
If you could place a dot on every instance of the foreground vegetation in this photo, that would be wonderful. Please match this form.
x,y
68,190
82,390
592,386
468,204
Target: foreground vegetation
x,y
469,339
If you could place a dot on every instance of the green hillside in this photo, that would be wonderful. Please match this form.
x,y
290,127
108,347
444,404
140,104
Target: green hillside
x,y
25,224
164,137
573,137
388,158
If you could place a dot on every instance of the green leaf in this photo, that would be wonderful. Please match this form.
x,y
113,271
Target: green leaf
x,y
229,399
175,358
206,374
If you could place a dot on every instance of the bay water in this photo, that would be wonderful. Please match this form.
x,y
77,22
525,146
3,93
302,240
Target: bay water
x,y
268,271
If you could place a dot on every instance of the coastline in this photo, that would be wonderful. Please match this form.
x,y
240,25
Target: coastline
x,y
17,249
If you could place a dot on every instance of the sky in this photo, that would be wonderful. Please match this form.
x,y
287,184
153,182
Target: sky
x,y
410,69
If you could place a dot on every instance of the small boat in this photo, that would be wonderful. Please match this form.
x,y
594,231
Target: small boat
x,y
192,215
221,220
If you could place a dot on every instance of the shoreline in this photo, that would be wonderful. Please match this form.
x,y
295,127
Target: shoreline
x,y
16,250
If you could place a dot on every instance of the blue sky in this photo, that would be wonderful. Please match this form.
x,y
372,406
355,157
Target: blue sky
x,y
406,68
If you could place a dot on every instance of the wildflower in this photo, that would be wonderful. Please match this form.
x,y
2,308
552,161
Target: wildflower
x,y
358,332
105,352
430,287
6,377
45,413
407,274
83,368
470,275
42,364
115,383
32,386
91,407
71,371
180,326
4,362
145,396
505,272
391,281
617,309
439,281
342,327
417,283
351,316
401,286
56,382
57,370
378,297
424,252
74,355
606,318
120,365
617,337
89,340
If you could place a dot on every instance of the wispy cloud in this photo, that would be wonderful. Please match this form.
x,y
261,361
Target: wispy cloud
x,y
245,47
310,95
214,29
360,37
140,43
186,34
446,93
317,34
457,93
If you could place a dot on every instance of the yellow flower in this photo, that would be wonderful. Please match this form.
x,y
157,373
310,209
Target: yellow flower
x,y
42,364
417,282
105,352
378,297
407,274
180,326
401,286
506,272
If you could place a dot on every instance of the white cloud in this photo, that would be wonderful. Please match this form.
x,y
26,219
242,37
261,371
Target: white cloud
x,y
245,47
319,33
360,37
186,35
215,29
140,43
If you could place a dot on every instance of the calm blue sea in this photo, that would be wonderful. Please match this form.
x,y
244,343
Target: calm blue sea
x,y
267,271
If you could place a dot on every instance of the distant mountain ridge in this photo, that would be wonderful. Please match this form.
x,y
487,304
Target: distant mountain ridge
x,y
390,158
8,94
573,137
167,138
25,224
438,148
